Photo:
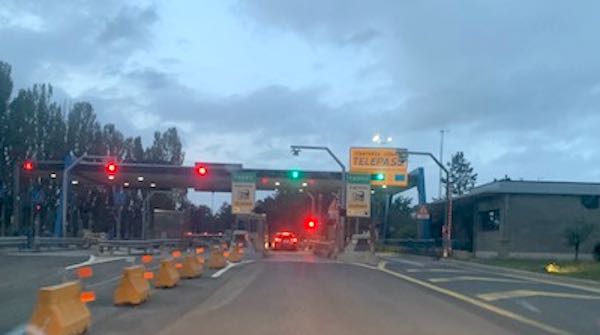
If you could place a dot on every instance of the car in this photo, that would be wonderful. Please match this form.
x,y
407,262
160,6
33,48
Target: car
x,y
285,241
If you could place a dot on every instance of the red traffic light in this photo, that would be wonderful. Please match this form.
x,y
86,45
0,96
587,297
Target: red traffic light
x,y
111,168
311,224
201,170
28,166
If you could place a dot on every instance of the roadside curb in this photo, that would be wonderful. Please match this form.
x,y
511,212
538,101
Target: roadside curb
x,y
524,273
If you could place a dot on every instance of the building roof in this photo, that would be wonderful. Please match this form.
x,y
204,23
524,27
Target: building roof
x,y
537,187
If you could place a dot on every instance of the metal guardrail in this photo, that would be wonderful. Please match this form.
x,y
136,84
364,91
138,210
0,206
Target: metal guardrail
x,y
24,242
148,246
13,242
60,242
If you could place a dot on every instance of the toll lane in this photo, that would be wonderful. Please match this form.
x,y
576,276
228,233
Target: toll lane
x,y
281,295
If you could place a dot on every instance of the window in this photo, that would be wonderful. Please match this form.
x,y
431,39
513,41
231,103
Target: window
x,y
489,220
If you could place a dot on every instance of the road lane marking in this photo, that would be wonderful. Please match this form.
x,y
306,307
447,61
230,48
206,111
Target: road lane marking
x,y
532,278
435,270
228,267
529,306
98,260
474,278
493,296
467,299
405,261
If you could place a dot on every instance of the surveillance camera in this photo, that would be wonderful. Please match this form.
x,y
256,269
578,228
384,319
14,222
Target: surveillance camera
x,y
295,151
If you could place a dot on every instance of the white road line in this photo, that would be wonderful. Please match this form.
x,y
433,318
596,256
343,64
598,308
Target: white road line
x,y
405,261
435,270
228,267
493,296
95,260
474,278
529,306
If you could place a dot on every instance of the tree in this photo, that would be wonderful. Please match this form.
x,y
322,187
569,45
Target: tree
x,y
462,177
578,234
82,129
224,217
402,224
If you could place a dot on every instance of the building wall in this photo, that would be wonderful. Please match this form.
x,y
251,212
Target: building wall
x,y
488,243
536,223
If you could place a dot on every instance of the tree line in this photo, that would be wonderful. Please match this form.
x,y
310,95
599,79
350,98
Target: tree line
x,y
34,126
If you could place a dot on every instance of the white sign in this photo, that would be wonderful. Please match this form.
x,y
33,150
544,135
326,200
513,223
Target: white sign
x,y
243,193
358,200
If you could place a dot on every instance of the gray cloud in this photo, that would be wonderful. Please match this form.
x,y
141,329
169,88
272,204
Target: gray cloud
x,y
130,26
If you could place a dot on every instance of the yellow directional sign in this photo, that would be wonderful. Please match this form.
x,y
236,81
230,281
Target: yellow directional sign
x,y
387,166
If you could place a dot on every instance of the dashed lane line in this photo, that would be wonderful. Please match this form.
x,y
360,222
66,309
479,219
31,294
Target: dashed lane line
x,y
483,305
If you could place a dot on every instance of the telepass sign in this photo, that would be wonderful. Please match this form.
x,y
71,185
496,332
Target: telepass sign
x,y
387,166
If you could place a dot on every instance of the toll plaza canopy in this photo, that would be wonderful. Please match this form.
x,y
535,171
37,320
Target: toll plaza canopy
x,y
217,176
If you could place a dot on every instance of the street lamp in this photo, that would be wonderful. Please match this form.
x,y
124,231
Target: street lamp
x,y
378,139
295,149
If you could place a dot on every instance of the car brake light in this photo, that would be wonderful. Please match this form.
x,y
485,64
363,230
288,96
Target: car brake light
x,y
294,240
277,239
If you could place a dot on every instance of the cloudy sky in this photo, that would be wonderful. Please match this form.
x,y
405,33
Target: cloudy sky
x,y
517,84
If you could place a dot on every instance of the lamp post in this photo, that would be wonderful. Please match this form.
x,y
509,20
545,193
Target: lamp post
x,y
340,236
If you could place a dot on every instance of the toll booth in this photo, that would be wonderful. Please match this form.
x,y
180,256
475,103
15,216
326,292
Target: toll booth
x,y
255,227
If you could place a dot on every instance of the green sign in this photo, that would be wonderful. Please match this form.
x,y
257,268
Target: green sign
x,y
244,177
359,178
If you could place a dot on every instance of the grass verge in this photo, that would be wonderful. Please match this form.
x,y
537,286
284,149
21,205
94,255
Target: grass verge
x,y
582,269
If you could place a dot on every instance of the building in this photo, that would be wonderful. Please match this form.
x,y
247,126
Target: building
x,y
522,219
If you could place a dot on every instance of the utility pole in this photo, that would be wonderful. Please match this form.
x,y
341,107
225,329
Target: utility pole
x,y
441,158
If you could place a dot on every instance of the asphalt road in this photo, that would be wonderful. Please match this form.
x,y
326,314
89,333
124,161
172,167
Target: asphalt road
x,y
555,305
298,293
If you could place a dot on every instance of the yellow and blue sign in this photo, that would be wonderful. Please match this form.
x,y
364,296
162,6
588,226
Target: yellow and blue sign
x,y
387,166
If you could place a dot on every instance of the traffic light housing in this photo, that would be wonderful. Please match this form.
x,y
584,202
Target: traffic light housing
x,y
111,169
201,170
295,174
311,224
28,165
378,176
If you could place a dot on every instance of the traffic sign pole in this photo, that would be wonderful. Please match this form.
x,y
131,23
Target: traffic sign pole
x,y
447,229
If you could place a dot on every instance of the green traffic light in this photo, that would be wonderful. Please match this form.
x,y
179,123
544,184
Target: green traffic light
x,y
295,174
378,176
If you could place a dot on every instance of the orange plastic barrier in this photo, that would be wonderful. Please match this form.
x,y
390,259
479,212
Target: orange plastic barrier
x,y
147,259
235,256
191,268
133,288
167,275
176,254
84,272
217,259
60,311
